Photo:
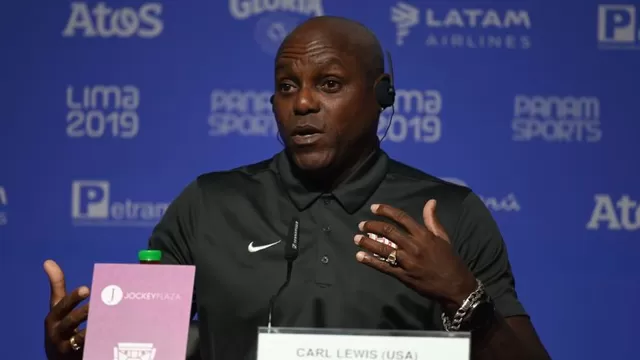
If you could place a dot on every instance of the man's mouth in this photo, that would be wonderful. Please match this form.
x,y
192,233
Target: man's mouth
x,y
306,135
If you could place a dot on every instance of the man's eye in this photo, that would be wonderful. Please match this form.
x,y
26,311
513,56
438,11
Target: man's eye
x,y
331,85
285,87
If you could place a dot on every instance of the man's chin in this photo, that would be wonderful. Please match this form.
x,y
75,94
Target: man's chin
x,y
313,161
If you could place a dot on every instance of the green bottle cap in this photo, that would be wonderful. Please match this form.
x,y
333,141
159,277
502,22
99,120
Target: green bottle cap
x,y
149,255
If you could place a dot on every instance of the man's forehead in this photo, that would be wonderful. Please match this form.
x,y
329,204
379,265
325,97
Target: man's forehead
x,y
317,46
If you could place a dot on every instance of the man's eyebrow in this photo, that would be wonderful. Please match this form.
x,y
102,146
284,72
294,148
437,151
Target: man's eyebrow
x,y
285,64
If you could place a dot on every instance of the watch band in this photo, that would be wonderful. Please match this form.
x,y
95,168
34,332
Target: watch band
x,y
469,303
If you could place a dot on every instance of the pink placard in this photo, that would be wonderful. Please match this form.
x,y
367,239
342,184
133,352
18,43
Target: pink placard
x,y
139,312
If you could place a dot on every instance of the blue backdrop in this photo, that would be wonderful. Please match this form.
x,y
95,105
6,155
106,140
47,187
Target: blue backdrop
x,y
111,108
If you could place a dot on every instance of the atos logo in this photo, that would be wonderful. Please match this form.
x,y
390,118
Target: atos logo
x,y
103,21
612,214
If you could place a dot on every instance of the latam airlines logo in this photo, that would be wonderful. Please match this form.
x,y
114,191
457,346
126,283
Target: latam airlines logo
x,y
614,214
103,21
92,204
506,203
618,27
471,27
277,18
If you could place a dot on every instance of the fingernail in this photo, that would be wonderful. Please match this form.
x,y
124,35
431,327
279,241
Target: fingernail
x,y
357,239
84,291
361,225
360,256
374,207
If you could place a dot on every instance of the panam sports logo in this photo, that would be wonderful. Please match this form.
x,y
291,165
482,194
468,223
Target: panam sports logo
x,y
416,117
504,203
277,18
103,21
559,119
241,112
471,27
92,204
103,111
614,214
619,27
4,204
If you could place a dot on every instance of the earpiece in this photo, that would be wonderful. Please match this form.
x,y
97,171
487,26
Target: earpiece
x,y
273,110
385,91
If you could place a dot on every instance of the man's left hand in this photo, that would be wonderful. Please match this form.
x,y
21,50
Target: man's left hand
x,y
425,260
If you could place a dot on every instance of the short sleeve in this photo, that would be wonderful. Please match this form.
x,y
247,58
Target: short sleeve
x,y
482,247
175,232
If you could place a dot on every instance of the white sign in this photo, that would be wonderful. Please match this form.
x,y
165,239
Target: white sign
x,y
348,345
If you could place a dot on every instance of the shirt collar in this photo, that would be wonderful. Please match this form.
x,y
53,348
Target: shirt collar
x,y
352,194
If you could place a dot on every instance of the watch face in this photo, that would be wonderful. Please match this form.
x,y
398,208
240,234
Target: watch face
x,y
482,315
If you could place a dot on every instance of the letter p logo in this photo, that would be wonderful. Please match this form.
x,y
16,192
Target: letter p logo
x,y
90,199
617,24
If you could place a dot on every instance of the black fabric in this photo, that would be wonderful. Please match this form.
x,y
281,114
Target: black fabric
x,y
220,216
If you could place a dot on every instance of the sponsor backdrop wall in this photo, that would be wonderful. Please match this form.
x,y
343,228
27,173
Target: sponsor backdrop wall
x,y
110,108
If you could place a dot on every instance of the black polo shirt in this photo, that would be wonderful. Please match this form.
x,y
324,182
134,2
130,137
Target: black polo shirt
x,y
232,226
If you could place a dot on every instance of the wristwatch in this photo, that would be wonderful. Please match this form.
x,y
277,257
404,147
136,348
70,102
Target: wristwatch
x,y
476,312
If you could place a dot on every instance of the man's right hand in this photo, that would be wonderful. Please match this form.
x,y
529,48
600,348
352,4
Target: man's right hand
x,y
61,324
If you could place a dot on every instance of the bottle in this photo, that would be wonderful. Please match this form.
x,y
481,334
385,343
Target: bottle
x,y
149,256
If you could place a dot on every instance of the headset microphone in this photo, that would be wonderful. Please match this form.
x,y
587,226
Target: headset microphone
x,y
290,255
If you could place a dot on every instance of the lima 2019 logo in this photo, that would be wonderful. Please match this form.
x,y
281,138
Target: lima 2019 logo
x,y
277,18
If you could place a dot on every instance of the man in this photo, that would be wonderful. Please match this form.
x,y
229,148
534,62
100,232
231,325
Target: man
x,y
414,271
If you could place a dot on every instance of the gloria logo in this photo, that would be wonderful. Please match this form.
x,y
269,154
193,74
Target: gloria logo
x,y
103,21
113,295
277,18
92,205
618,27
471,27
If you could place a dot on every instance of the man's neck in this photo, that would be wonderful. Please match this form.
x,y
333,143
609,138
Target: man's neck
x,y
326,180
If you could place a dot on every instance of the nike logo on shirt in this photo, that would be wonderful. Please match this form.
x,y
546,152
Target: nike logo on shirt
x,y
253,249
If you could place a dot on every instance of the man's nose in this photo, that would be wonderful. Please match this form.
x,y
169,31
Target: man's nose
x,y
306,102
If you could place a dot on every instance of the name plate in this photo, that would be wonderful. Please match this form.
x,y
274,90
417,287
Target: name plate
x,y
139,312
303,343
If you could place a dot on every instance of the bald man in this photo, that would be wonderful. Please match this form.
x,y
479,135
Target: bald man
x,y
381,246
